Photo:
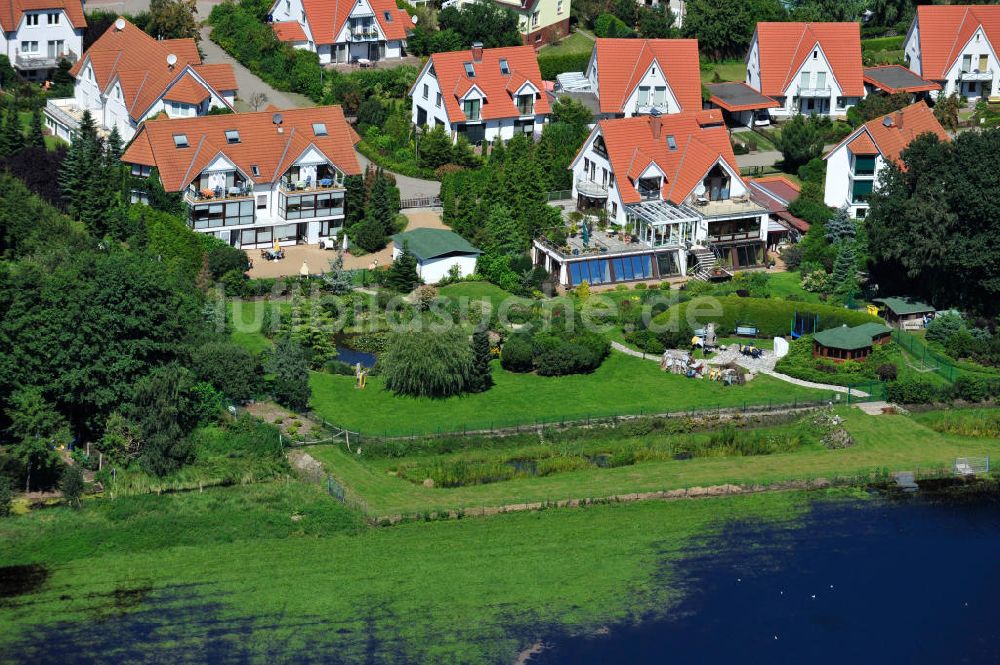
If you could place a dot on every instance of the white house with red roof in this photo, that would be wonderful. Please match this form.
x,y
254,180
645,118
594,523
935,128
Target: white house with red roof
x,y
956,46
38,34
341,31
634,76
854,167
127,77
481,94
671,192
254,179
808,68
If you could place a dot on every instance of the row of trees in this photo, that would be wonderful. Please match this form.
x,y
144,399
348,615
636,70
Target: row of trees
x,y
454,29
372,203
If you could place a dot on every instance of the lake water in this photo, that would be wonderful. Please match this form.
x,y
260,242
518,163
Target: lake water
x,y
908,580
352,357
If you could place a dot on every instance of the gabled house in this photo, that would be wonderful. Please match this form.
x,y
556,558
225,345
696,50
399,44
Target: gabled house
x,y
481,94
853,167
341,31
956,46
38,34
808,68
634,76
127,77
254,179
670,190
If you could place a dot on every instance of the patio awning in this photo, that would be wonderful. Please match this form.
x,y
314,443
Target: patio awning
x,y
658,213
894,78
738,96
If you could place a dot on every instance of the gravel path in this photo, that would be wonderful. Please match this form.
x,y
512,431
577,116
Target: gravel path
x,y
409,188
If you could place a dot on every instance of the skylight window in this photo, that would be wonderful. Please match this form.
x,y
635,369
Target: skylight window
x,y
180,140
671,142
504,67
232,136
470,71
255,170
388,17
319,129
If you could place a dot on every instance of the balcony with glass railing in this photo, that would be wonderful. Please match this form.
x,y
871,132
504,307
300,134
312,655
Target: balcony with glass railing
x,y
814,92
591,188
976,75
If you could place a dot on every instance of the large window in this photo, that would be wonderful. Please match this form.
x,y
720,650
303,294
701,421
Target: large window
x,y
471,110
717,184
526,104
734,229
306,206
596,271
864,165
633,267
666,263
861,191
218,215
256,236
649,188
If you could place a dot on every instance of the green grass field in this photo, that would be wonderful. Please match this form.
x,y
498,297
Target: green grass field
x,y
784,284
621,385
727,71
189,575
51,142
574,44
890,442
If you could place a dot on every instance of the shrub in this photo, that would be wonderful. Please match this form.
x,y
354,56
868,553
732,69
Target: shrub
x,y
71,485
227,366
428,363
887,372
943,326
234,282
552,66
516,354
971,389
557,357
6,497
910,391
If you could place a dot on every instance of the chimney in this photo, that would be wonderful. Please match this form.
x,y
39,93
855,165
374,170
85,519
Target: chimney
x,y
477,51
899,119
655,122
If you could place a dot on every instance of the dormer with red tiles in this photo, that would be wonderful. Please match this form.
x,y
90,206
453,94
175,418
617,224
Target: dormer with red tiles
x,y
482,94
808,68
956,46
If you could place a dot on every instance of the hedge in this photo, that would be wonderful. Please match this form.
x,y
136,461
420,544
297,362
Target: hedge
x,y
771,316
882,44
553,65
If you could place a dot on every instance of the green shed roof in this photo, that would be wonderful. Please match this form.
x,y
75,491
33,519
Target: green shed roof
x,y
903,306
849,339
427,244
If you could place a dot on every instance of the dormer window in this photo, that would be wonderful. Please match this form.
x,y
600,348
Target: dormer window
x,y
671,143
319,129
649,188
717,184
526,104
180,140
504,67
232,136
470,71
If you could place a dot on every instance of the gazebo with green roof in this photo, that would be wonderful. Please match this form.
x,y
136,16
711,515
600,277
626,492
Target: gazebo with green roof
x,y
904,312
843,343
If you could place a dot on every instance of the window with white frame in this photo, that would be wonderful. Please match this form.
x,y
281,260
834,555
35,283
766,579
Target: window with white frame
x,y
53,18
534,19
31,19
29,46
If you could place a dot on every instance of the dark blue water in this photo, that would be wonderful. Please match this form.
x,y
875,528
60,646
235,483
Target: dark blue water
x,y
351,357
909,581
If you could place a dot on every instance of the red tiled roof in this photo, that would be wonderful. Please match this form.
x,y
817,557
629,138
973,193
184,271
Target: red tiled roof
x,y
889,139
187,91
289,31
778,186
326,18
863,145
139,63
220,76
946,29
631,146
260,144
783,47
621,64
500,102
12,11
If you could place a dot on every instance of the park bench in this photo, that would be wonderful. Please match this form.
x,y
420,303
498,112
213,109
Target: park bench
x,y
746,331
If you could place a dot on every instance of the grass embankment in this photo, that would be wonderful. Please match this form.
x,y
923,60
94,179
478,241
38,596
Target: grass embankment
x,y
977,422
240,577
621,385
732,70
884,442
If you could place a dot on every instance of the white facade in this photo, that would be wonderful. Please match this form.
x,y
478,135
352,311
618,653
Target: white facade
x,y
846,174
974,73
434,270
813,90
109,110
41,40
651,91
361,36
427,107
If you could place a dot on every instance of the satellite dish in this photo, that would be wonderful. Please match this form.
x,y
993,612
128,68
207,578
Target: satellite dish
x,y
171,59
414,19
276,118
120,24
700,189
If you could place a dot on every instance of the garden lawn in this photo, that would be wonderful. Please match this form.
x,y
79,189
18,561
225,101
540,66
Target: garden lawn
x,y
478,291
893,443
51,142
784,284
621,385
735,70
470,591
575,44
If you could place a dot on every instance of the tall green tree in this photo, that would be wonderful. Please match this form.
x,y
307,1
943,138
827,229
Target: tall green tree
x,y
435,148
504,234
402,274
36,137
12,137
428,363
481,374
724,28
71,485
843,278
486,22
289,370
173,19
36,430
163,411
801,140
840,227
354,199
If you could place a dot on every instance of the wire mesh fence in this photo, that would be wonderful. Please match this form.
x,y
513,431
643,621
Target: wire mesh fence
x,y
931,360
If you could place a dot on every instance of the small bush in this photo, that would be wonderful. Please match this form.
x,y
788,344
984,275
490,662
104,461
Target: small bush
x,y
911,391
6,497
971,389
516,354
887,372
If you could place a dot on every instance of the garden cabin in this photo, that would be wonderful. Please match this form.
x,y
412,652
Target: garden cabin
x,y
955,46
438,253
808,68
482,94
844,343
905,313
854,166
